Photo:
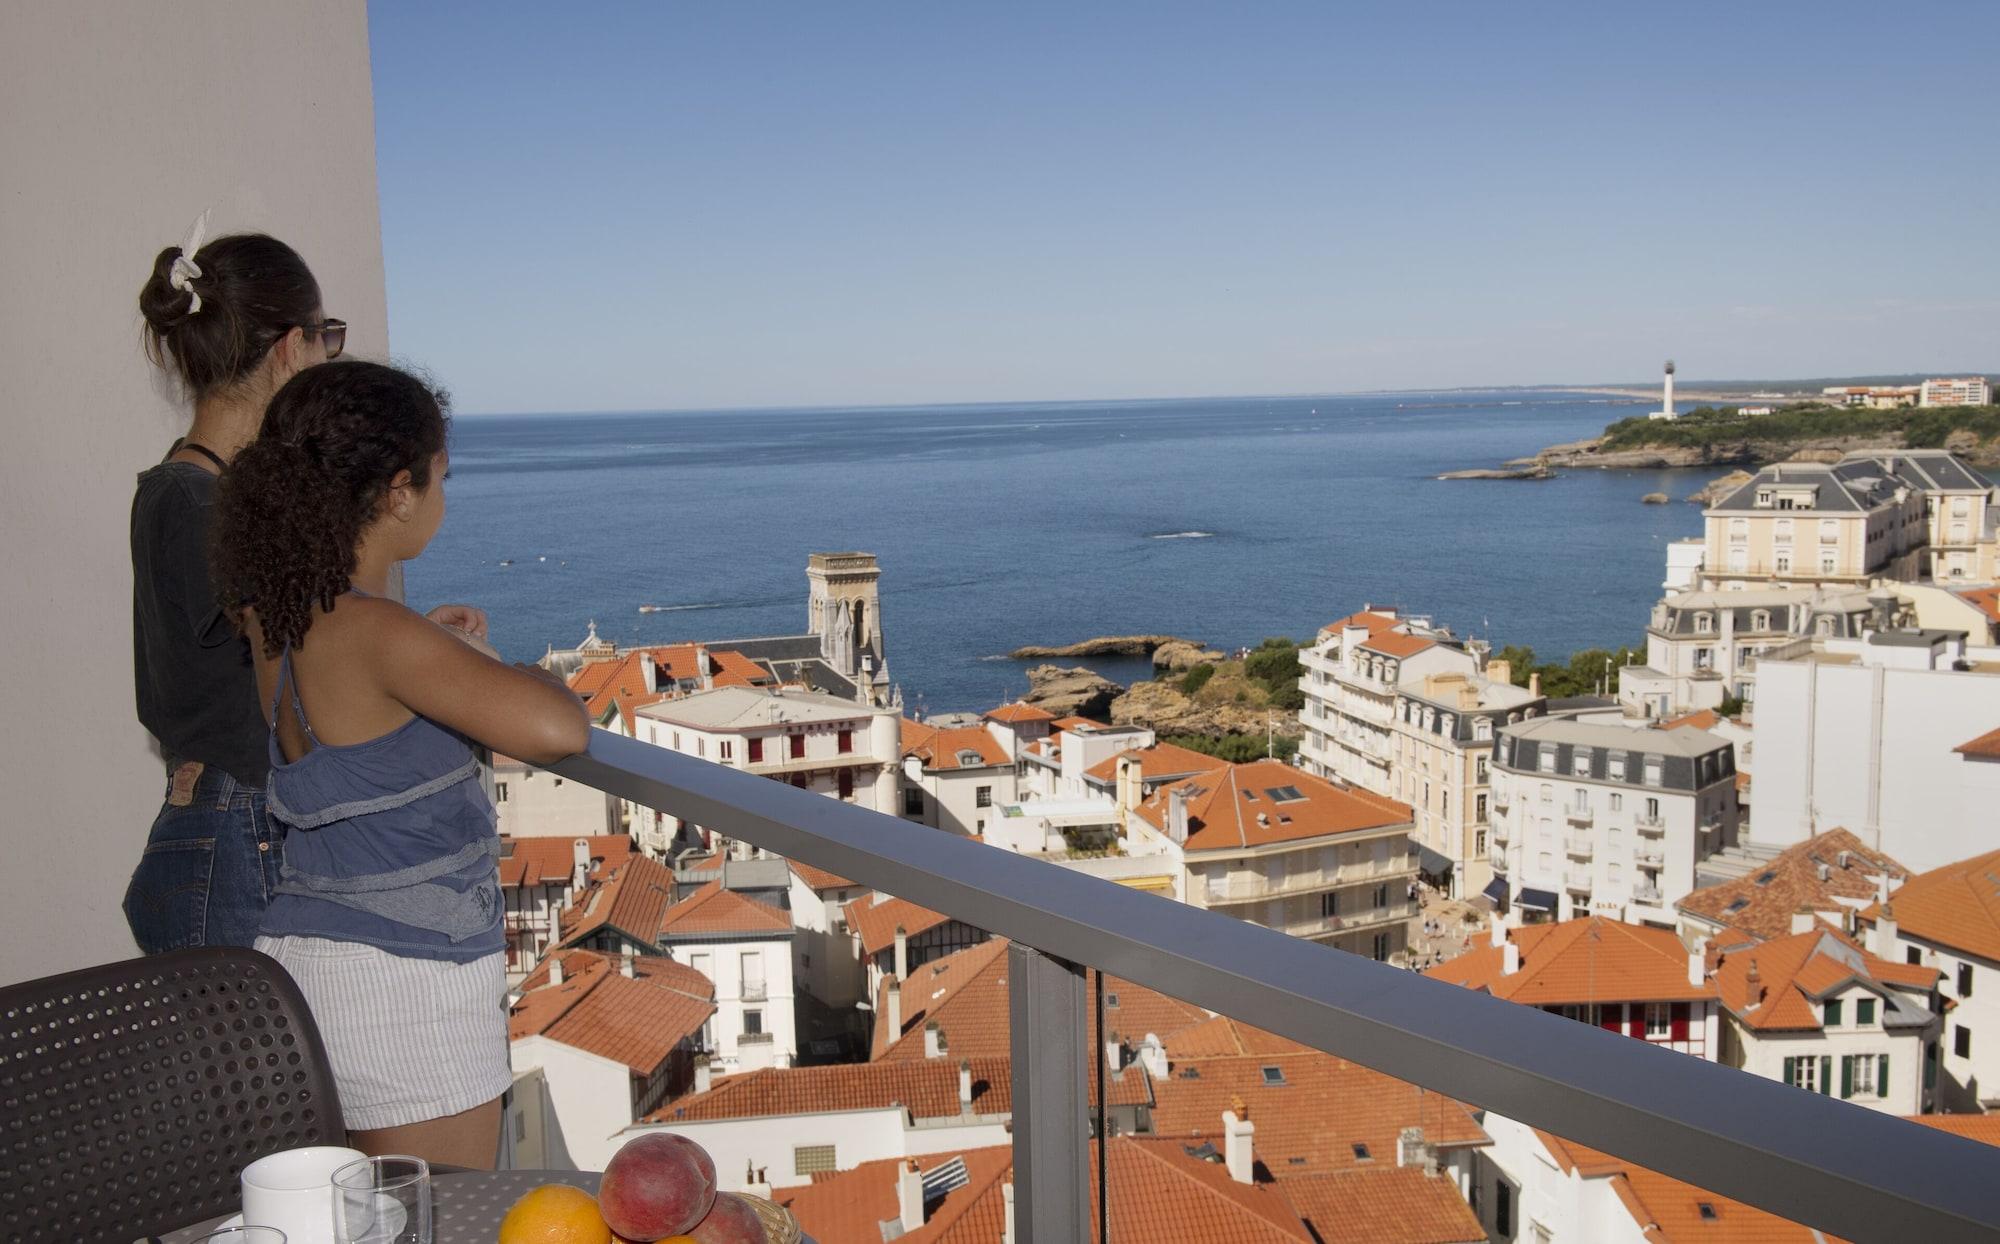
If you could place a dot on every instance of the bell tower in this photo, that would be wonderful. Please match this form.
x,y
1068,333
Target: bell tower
x,y
844,611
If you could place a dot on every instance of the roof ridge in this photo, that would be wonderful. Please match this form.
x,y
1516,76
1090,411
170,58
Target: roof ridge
x,y
1186,1176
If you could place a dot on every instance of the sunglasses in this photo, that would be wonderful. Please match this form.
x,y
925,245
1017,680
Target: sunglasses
x,y
332,333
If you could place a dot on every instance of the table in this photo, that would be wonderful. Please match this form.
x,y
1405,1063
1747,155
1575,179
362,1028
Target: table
x,y
467,1206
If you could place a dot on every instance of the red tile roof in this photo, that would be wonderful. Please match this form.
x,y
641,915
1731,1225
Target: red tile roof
x,y
927,1088
549,861
1388,1203
1794,973
1017,712
1985,747
1984,599
1670,1211
1984,1128
875,920
1158,762
1225,805
658,969
1157,1192
1580,961
1375,620
817,878
636,1021
1763,902
631,899
1223,1037
1701,719
944,749
1956,906
711,911
620,682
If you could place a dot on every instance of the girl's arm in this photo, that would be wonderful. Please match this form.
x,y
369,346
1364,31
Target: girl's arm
x,y
530,716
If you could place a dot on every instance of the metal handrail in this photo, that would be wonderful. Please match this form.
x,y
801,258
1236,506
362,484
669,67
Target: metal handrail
x,y
1804,1156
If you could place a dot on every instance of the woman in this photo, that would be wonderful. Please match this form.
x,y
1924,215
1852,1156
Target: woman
x,y
389,911
231,321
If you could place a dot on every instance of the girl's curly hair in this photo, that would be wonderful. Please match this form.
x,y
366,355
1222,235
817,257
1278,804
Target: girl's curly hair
x,y
291,508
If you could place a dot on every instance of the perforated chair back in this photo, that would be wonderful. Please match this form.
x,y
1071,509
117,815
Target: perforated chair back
x,y
133,1094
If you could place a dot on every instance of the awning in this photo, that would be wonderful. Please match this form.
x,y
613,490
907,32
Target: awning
x,y
1540,900
1496,890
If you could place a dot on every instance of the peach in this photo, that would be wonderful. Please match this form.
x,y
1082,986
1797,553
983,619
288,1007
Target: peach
x,y
656,1186
732,1221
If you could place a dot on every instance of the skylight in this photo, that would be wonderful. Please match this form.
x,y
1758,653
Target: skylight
x,y
1765,878
1736,906
1284,794
1274,1076
1361,1152
1707,1209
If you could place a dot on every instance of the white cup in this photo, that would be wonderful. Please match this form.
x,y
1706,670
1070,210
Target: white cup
x,y
293,1191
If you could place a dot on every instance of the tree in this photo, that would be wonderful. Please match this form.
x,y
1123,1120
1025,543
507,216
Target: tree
x,y
1275,664
1197,678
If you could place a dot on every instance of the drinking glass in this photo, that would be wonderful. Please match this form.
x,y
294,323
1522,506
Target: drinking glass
x,y
244,1235
385,1200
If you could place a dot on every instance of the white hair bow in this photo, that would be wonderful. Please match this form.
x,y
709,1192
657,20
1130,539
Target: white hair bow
x,y
185,269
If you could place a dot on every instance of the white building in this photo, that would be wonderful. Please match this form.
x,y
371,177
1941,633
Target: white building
x,y
1607,819
1816,1011
956,778
1963,391
1948,920
1865,733
745,948
534,803
820,743
1702,646
603,1039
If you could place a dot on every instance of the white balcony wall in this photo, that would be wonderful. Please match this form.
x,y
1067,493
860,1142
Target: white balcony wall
x,y
122,121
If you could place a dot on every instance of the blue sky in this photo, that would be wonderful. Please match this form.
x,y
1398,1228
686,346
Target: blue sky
x,y
666,206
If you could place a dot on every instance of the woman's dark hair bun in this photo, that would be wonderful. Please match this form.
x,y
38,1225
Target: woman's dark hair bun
x,y
254,289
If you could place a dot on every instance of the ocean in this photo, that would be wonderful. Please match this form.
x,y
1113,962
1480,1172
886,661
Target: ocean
x,y
1224,520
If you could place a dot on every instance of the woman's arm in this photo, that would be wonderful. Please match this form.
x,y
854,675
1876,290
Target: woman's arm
x,y
531,716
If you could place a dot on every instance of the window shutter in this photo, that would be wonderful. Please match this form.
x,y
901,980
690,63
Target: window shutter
x,y
1846,1076
1608,1017
1680,1021
1826,1074
1792,1072
1882,1075
1635,1020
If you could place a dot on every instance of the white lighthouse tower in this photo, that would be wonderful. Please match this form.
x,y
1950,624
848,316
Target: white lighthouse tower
x,y
1666,410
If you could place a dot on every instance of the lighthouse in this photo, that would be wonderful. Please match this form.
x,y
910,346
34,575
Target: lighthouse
x,y
1666,410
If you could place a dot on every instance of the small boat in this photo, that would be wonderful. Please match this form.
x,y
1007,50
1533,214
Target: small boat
x,y
652,609
506,561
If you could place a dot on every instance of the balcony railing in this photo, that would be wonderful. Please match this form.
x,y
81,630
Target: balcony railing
x,y
1579,848
1646,894
1650,823
1823,1162
1576,880
755,991
1651,857
1581,817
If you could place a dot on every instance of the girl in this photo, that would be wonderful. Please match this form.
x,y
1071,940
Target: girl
x,y
231,321
388,913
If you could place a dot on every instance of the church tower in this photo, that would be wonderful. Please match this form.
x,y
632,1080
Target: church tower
x,y
844,612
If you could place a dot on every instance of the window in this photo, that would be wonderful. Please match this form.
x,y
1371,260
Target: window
x,y
798,742
846,783
1913,956
1381,897
1832,1013
1482,730
1479,770
1826,563
1329,902
1548,759
846,742
1965,980
982,797
1961,1041
808,1159
1548,793
1579,762
1479,838
1784,563
1703,623
1652,809
1503,1209
1361,1152
1614,768
1864,1011
913,802
1829,531
753,1023
1381,947
1218,882
1864,1075
1479,812
1739,529
499,792
1274,1077
727,750
1658,1021
1653,771
520,1128
1617,803
1760,621
1707,1210
1782,531
1809,1072
756,753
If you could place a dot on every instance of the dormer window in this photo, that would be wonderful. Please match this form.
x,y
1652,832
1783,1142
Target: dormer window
x,y
1482,729
1703,623
1763,498
1760,621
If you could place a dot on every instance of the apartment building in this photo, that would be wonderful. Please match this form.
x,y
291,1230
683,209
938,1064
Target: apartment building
x,y
1882,735
821,743
1948,919
955,778
1352,672
1441,752
1292,852
1597,818
1817,1011
746,948
534,803
1702,646
1960,391
1872,396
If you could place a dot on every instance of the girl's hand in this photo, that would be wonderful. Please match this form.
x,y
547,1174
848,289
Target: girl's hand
x,y
461,617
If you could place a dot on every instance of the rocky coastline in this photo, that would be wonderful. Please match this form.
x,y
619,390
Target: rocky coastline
x,y
1102,646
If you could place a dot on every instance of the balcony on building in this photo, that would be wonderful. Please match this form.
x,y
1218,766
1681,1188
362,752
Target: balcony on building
x,y
1580,817
1576,880
1579,847
1650,823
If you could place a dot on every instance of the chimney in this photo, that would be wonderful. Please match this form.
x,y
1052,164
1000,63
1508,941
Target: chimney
x,y
1510,959
1500,671
649,672
894,1011
934,1045
1534,684
1803,919
1698,962
1238,1150
910,1194
755,1182
1884,943
1129,783
1177,818
1153,1057
1755,982
701,1073
965,1086
555,969
1007,1207
1498,930
627,966
902,953
579,874
701,668
1412,1151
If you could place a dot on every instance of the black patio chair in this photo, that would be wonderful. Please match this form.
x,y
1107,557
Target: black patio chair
x,y
133,1094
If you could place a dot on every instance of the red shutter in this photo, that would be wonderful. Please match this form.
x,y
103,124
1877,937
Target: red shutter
x,y
1679,1031
1635,1021
756,751
1607,1018
846,741
798,747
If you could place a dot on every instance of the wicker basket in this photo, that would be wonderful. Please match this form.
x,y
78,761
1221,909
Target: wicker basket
x,y
779,1225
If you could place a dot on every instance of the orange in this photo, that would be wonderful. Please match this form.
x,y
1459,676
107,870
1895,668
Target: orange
x,y
555,1214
